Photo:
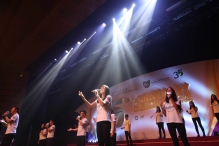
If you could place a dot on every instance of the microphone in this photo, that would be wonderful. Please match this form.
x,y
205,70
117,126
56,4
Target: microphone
x,y
78,117
47,124
168,94
6,113
98,90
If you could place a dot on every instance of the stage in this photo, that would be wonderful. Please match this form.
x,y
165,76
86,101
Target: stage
x,y
194,141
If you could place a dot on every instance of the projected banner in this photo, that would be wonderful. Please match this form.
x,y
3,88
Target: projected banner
x,y
139,96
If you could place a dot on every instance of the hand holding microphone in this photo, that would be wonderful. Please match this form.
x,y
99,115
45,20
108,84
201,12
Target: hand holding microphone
x,y
6,113
78,118
96,91
47,125
169,94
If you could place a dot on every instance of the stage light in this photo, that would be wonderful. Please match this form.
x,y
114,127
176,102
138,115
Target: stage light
x,y
84,39
55,59
79,43
133,5
66,51
72,48
125,10
113,19
104,24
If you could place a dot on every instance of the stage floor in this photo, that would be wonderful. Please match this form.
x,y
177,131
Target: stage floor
x,y
194,141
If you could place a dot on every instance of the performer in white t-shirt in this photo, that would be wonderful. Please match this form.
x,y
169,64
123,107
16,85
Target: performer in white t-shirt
x,y
103,104
42,135
215,106
193,111
170,109
11,126
159,122
113,129
51,132
127,129
82,127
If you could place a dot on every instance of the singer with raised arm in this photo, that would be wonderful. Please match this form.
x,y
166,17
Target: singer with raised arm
x,y
11,126
171,109
103,104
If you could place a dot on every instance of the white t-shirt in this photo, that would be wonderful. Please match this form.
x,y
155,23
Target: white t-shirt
x,y
173,116
51,134
159,118
42,134
104,112
194,114
215,106
82,128
126,124
113,119
12,126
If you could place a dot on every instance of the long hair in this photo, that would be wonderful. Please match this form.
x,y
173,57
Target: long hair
x,y
215,99
107,92
180,110
193,105
158,110
173,96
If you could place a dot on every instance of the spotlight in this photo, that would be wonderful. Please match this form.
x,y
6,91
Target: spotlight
x,y
113,19
133,5
79,43
84,39
55,59
66,51
95,32
125,10
72,48
104,24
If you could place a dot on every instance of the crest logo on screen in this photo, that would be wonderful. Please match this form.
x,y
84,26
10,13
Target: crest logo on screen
x,y
178,74
146,84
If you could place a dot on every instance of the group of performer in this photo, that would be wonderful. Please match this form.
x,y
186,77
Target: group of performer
x,y
46,135
171,108
106,120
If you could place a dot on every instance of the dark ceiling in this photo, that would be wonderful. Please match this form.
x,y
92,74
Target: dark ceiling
x,y
28,28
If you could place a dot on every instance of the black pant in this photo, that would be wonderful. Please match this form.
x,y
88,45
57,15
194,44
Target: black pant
x,y
103,133
128,136
181,130
42,142
50,142
217,116
113,140
80,140
200,125
7,139
160,126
